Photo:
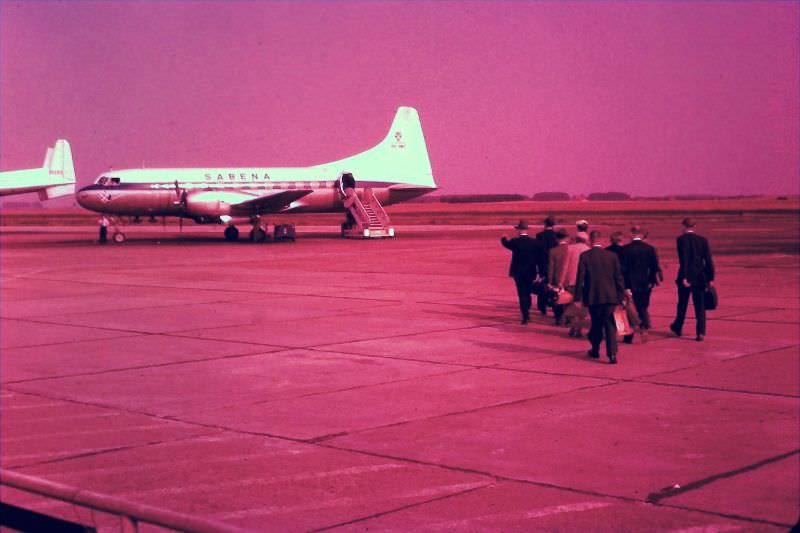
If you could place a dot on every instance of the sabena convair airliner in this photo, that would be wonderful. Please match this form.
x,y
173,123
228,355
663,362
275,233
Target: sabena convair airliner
x,y
395,170
56,177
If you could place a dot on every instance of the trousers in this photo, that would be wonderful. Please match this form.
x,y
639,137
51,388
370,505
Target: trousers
x,y
603,326
524,287
697,292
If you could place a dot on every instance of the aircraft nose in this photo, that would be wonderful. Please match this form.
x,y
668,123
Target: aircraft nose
x,y
86,198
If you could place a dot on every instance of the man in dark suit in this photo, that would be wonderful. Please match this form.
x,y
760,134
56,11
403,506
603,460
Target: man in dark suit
x,y
695,271
640,269
600,286
526,264
616,245
547,239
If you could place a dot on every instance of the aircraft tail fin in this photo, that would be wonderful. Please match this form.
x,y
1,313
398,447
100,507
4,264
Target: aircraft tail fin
x,y
60,171
402,156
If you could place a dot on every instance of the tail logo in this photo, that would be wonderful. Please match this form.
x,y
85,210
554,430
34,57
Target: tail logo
x,y
398,138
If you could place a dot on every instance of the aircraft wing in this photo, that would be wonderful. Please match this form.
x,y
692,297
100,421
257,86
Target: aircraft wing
x,y
271,203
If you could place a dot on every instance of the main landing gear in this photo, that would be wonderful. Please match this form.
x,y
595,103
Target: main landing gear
x,y
231,233
257,234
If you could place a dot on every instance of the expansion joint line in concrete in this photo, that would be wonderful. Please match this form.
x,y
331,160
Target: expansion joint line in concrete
x,y
214,289
145,367
574,490
369,385
465,411
716,361
402,508
35,320
713,389
669,492
104,451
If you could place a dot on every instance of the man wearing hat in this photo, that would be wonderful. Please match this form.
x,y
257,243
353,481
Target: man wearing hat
x,y
582,226
547,238
640,269
695,271
527,258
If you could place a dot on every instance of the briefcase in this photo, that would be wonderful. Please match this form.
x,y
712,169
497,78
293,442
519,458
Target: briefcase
x,y
710,297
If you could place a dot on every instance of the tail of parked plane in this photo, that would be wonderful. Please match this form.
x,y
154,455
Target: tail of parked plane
x,y
402,157
60,171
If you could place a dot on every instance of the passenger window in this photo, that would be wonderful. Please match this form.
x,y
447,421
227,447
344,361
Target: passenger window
x,y
102,180
114,181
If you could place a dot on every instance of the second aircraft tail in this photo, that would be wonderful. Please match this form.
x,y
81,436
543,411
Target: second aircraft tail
x,y
60,171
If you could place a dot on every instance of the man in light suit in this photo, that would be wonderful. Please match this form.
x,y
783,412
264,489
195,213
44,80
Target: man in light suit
x,y
600,286
695,271
557,269
527,258
640,269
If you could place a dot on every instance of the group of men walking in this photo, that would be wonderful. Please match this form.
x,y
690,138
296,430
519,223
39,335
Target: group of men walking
x,y
601,278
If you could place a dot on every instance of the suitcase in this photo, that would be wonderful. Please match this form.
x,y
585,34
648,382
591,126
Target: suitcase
x,y
284,232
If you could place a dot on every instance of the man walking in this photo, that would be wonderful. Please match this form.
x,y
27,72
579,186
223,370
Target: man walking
x,y
547,239
601,287
640,269
695,271
576,312
616,244
557,270
527,256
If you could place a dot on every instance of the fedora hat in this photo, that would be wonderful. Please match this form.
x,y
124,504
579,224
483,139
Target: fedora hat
x,y
523,224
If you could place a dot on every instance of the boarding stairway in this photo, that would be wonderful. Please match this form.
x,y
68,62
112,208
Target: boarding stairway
x,y
366,218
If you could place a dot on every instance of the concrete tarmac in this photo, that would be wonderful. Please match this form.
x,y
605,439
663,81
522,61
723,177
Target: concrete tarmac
x,y
330,385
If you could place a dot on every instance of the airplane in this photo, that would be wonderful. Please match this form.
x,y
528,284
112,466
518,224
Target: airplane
x,y
55,178
395,170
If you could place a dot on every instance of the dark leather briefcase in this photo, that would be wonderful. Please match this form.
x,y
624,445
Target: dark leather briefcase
x,y
710,298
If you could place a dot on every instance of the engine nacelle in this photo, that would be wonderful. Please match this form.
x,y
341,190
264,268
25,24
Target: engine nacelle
x,y
213,203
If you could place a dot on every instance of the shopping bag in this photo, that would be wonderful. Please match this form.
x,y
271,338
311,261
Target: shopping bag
x,y
633,316
621,321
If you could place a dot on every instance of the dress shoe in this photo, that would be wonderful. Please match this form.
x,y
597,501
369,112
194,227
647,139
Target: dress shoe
x,y
643,336
523,321
699,338
612,359
627,339
593,354
675,330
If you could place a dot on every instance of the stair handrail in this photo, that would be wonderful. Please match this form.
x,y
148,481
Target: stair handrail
x,y
372,201
353,203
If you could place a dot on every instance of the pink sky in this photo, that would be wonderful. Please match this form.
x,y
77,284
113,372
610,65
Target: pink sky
x,y
646,97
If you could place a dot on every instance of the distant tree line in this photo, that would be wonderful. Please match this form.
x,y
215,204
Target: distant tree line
x,y
611,196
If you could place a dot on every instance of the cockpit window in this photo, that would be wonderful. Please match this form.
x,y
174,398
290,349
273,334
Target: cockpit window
x,y
105,180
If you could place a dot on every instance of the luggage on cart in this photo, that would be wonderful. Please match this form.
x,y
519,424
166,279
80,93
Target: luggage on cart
x,y
284,232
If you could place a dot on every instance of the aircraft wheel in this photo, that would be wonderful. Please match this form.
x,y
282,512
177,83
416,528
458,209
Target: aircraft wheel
x,y
118,237
258,235
231,233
